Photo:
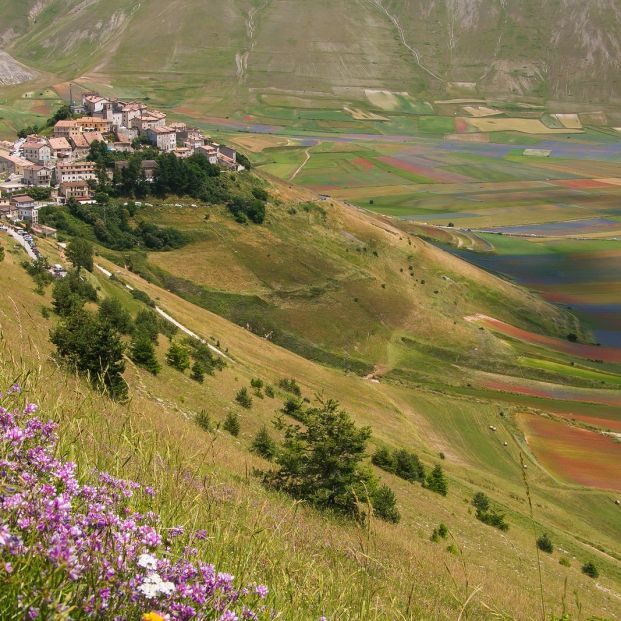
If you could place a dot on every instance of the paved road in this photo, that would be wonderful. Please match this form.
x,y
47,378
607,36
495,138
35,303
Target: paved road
x,y
22,242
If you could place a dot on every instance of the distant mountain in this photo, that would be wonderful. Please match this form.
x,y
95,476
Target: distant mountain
x,y
557,49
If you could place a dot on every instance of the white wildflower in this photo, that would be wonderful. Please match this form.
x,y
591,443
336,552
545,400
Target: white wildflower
x,y
153,586
147,561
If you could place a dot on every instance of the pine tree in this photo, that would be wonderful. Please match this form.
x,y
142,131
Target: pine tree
x,y
198,372
243,398
385,504
93,348
264,445
231,424
142,353
80,253
112,311
436,481
178,357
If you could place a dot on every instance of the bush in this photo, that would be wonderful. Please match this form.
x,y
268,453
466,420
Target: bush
x,y
264,445
436,481
384,458
480,501
441,532
290,385
202,354
269,391
485,514
544,543
385,504
409,467
564,561
231,424
493,518
70,294
203,420
590,569
257,385
178,357
141,296
243,398
198,372
293,407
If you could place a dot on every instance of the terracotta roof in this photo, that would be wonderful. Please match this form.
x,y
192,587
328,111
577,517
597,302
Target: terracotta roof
x,y
59,143
162,130
5,155
91,137
34,145
22,198
79,141
67,123
73,184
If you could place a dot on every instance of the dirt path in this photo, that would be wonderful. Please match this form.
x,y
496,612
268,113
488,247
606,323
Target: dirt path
x,y
301,166
170,319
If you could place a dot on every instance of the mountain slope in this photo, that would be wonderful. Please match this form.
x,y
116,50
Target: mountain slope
x,y
567,50
315,564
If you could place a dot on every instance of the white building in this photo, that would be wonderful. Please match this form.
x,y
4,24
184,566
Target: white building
x,y
164,138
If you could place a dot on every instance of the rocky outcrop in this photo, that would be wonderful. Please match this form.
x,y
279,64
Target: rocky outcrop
x,y
13,72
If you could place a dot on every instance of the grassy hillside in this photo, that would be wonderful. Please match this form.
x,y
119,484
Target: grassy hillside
x,y
215,56
339,286
315,564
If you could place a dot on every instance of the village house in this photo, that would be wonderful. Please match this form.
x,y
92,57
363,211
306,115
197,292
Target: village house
x,y
37,150
37,175
164,138
183,152
94,124
80,144
148,120
12,164
94,103
60,148
121,146
74,189
8,211
130,111
64,129
75,171
148,168
46,231
210,152
25,207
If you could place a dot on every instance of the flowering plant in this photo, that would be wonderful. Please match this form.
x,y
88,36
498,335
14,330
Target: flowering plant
x,y
70,550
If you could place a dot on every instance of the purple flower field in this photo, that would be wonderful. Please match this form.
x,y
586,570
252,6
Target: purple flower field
x,y
70,550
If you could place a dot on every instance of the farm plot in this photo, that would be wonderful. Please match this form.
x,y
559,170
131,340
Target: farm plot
x,y
525,126
573,454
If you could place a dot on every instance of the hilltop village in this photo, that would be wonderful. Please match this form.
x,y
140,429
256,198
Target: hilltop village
x,y
58,168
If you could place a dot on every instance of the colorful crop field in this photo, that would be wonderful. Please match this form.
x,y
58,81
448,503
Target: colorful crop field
x,y
555,392
573,454
579,350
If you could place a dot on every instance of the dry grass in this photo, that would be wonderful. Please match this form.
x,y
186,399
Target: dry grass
x,y
314,564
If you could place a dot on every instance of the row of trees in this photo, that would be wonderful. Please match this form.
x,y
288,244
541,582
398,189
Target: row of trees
x,y
194,176
111,225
